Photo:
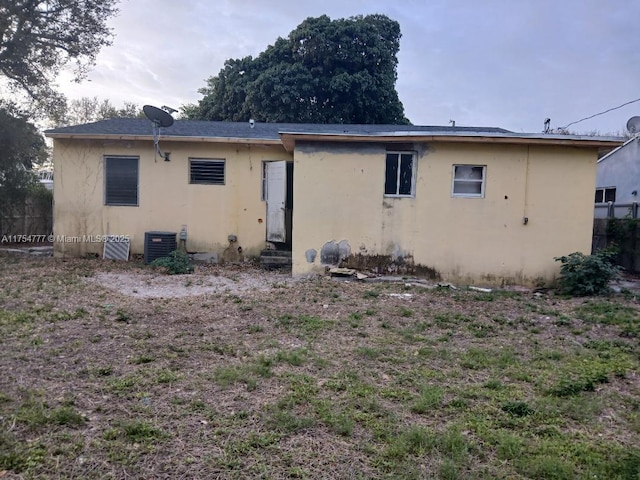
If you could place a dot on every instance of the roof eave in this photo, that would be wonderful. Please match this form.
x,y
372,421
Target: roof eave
x,y
289,139
164,138
619,148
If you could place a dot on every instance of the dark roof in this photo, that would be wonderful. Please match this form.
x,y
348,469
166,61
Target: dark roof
x,y
268,131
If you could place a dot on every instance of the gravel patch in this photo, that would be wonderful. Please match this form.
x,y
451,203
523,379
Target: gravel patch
x,y
157,285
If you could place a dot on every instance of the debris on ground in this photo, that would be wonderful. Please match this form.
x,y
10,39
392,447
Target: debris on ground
x,y
480,289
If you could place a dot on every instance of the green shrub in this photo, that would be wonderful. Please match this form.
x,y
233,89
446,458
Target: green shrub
x,y
177,263
583,275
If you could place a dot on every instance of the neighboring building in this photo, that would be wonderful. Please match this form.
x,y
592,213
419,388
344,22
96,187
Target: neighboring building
x,y
468,205
45,177
618,181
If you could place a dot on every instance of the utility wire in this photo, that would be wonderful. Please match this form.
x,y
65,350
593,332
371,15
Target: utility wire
x,y
601,113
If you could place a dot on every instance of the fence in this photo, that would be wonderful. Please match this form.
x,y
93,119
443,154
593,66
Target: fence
x,y
625,234
616,210
34,217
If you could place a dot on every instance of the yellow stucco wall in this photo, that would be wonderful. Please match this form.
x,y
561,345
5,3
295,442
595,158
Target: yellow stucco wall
x,y
339,196
166,199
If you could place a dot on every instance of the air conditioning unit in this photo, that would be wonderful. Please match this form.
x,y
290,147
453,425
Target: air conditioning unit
x,y
158,245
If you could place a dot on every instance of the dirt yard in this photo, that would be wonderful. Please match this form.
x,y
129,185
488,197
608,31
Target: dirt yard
x,y
112,370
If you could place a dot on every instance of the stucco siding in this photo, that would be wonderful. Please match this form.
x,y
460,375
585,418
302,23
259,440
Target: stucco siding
x,y
621,170
339,197
166,199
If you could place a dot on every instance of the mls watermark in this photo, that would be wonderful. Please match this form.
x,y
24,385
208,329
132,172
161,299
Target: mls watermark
x,y
65,238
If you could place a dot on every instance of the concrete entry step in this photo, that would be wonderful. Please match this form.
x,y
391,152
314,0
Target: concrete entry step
x,y
272,259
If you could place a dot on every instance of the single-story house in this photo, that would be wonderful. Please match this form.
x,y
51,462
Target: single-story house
x,y
462,204
618,181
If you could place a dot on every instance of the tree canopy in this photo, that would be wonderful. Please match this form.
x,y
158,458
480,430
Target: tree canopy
x,y
91,109
39,37
325,71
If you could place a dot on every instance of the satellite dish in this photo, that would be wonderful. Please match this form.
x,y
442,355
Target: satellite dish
x,y
160,118
633,125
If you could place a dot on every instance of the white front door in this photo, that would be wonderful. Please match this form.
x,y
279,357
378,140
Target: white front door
x,y
276,195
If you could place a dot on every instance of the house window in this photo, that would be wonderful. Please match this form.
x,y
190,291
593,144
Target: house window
x,y
121,181
206,172
468,180
606,195
400,174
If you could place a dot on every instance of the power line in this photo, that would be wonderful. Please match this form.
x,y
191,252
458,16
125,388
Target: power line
x,y
601,113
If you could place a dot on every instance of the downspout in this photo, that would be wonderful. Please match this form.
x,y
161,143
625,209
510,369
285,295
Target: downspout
x,y
525,215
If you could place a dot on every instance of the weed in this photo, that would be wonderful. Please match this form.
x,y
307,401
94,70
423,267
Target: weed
x,y
144,358
517,408
480,330
478,358
369,352
611,313
509,446
453,444
104,371
125,383
255,328
141,432
175,348
308,324
583,374
430,399
166,376
295,357
494,385
122,316
545,467
288,422
406,312
413,441
177,263
225,376
20,456
67,416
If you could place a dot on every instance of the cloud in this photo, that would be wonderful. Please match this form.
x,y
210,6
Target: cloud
x,y
496,63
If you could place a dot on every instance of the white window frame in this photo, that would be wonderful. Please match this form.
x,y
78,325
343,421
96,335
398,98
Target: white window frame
x,y
414,171
604,194
482,181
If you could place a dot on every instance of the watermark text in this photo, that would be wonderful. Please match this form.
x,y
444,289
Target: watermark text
x,y
64,238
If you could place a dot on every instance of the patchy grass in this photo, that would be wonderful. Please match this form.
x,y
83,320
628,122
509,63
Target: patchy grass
x,y
315,379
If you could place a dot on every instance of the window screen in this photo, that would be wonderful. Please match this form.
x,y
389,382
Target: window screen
x,y
121,180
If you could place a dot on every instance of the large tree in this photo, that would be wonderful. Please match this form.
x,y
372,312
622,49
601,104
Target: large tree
x,y
340,71
39,37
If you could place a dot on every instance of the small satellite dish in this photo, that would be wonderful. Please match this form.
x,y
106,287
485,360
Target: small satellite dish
x,y
158,116
633,125
160,119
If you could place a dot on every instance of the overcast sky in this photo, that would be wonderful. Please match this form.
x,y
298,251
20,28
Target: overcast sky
x,y
502,63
